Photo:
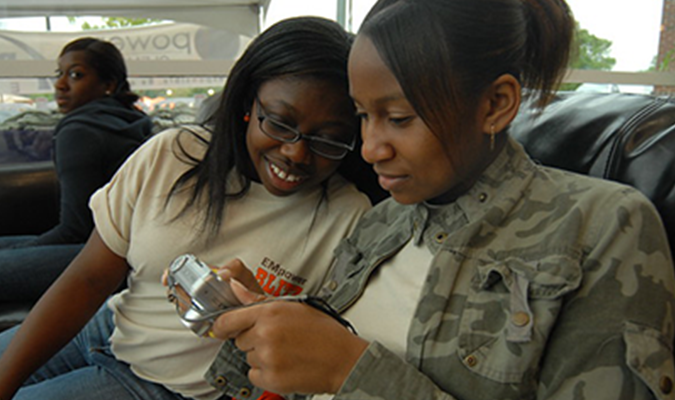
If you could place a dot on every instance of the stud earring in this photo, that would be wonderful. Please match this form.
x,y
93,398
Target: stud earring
x,y
492,137
247,117
108,92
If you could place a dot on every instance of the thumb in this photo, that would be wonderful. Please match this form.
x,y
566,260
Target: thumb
x,y
244,295
165,277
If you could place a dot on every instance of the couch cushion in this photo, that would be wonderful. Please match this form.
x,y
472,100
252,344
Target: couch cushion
x,y
13,314
29,198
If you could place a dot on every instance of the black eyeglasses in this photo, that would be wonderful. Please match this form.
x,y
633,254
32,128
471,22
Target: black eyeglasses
x,y
327,148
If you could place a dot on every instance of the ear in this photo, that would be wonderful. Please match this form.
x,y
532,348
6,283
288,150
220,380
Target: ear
x,y
110,87
500,104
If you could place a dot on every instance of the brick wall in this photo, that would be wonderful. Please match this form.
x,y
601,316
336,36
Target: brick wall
x,y
667,44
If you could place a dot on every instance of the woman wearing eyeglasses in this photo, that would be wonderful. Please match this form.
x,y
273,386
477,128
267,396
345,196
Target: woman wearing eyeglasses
x,y
260,186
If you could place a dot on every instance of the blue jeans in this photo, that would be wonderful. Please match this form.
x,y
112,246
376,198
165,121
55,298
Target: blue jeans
x,y
27,272
86,369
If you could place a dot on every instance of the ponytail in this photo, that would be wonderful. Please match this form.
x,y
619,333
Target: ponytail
x,y
124,95
464,45
550,29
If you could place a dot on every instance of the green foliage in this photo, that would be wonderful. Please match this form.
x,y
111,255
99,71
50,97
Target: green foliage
x,y
589,52
592,52
116,22
664,65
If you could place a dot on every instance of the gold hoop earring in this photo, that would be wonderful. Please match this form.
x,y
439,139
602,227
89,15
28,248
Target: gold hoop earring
x,y
492,137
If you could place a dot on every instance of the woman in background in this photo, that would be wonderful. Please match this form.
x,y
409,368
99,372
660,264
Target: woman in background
x,y
101,127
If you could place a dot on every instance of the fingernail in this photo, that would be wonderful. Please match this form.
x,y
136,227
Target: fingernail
x,y
235,282
225,274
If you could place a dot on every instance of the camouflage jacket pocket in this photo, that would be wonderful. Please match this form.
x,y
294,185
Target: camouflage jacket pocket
x,y
347,276
649,357
511,308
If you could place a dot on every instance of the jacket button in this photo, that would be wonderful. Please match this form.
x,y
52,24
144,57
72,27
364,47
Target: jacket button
x,y
245,393
471,361
221,381
520,318
332,285
666,385
440,237
482,197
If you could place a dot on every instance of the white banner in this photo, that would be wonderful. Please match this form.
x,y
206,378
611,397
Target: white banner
x,y
172,41
164,42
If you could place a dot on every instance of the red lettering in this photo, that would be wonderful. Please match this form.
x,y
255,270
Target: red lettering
x,y
284,288
260,276
294,290
268,288
282,284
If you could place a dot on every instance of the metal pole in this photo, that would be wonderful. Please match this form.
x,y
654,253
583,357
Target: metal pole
x,y
342,13
350,15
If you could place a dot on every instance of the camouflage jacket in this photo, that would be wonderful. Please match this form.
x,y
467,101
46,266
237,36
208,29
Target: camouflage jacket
x,y
549,285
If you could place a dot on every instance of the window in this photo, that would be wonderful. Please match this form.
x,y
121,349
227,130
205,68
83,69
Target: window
x,y
173,65
178,64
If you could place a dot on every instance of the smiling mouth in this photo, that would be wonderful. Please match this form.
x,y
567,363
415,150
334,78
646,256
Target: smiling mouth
x,y
283,175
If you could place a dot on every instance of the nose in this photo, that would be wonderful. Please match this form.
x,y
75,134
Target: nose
x,y
298,152
375,147
61,83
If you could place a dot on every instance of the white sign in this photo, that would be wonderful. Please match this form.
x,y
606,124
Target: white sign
x,y
156,42
164,42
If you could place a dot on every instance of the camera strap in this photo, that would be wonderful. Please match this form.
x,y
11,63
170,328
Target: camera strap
x,y
323,306
191,315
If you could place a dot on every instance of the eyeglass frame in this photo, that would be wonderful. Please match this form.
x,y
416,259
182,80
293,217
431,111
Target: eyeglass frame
x,y
262,115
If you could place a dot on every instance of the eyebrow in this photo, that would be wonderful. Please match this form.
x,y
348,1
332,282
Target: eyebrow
x,y
288,107
390,98
71,66
381,101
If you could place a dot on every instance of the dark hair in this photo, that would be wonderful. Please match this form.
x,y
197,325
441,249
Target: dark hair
x,y
299,47
462,46
109,64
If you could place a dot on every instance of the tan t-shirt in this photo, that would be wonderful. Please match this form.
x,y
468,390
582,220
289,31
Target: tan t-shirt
x,y
387,306
287,242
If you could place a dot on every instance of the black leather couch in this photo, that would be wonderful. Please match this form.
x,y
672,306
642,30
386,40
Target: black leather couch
x,y
29,198
628,138
29,204
623,137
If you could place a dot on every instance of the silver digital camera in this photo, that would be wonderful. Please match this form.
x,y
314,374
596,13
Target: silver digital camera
x,y
199,293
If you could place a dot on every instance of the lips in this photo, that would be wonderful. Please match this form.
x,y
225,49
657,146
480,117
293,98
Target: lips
x,y
283,175
60,101
283,181
390,181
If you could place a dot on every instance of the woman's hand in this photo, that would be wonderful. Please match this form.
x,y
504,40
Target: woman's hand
x,y
236,270
233,269
291,347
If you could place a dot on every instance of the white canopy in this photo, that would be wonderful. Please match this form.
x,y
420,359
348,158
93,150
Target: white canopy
x,y
241,16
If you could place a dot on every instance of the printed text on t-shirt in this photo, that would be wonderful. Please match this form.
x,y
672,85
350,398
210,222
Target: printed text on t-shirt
x,y
277,281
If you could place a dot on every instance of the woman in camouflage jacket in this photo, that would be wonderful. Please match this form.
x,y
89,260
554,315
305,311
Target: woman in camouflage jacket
x,y
485,276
